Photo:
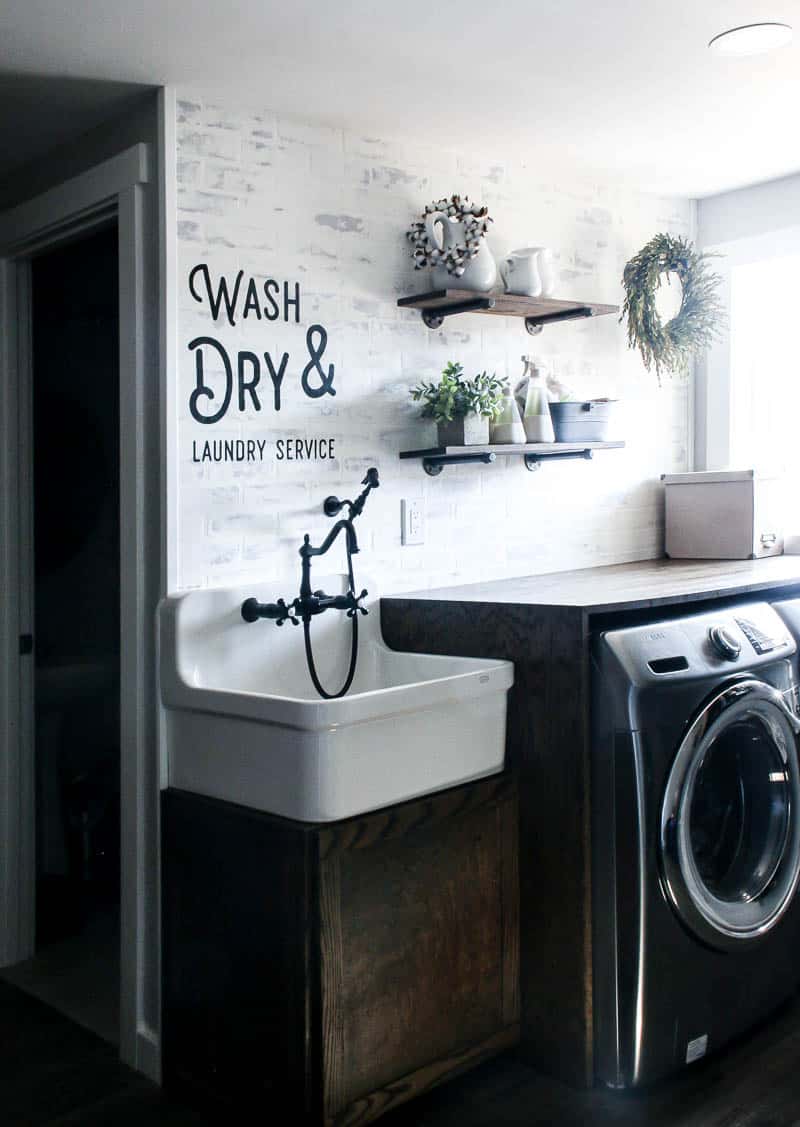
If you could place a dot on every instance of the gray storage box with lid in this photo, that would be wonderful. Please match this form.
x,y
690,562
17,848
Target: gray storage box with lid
x,y
723,515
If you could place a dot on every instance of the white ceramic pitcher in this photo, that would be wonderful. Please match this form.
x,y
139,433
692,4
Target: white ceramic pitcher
x,y
480,272
529,272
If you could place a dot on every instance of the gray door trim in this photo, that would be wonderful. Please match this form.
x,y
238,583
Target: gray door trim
x,y
118,186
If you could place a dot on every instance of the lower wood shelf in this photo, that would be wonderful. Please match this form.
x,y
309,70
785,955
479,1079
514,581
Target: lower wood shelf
x,y
435,458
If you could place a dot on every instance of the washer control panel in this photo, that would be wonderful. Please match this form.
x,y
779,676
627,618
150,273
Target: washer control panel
x,y
729,639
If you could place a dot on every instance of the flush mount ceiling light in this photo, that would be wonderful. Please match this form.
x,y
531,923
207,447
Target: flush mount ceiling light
x,y
751,39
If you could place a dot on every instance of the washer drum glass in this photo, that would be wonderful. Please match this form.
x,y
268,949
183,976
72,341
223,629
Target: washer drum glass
x,y
730,839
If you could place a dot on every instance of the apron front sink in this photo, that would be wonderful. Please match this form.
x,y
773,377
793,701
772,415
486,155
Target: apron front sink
x,y
245,724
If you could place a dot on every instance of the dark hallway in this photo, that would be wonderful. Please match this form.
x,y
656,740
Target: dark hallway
x,y
76,591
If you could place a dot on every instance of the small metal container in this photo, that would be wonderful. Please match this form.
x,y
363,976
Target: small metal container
x,y
723,515
587,421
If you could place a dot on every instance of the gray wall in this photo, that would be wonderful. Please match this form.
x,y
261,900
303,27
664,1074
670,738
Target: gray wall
x,y
140,123
749,212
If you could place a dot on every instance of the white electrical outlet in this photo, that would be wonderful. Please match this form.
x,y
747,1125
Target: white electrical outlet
x,y
412,521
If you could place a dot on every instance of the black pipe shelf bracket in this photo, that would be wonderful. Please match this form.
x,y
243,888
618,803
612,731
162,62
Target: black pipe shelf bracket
x,y
534,454
534,325
535,311
435,463
435,318
533,462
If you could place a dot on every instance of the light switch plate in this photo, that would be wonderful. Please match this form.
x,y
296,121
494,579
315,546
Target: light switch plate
x,y
412,521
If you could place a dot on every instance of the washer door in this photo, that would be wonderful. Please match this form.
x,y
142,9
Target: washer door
x,y
730,823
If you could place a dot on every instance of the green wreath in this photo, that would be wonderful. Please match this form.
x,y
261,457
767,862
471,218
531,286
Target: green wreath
x,y
696,324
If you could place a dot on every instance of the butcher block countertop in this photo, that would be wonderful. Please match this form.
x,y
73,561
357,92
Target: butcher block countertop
x,y
630,586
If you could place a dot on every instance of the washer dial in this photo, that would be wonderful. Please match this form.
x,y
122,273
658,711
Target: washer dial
x,y
724,643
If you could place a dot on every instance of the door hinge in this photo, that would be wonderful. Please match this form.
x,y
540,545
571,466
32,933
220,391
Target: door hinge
x,y
26,643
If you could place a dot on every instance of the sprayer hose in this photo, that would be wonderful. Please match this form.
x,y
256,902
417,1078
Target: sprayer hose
x,y
312,669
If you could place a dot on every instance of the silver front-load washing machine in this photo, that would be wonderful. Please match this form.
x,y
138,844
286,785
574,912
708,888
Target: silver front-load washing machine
x,y
695,836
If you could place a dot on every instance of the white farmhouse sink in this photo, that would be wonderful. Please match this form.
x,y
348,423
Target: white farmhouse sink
x,y
246,724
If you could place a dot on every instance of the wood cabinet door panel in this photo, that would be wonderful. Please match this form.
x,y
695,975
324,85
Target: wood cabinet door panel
x,y
413,947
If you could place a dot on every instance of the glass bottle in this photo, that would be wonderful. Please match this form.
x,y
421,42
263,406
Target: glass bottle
x,y
536,413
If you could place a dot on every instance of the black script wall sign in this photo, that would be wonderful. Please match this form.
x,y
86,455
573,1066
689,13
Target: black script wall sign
x,y
213,395
227,295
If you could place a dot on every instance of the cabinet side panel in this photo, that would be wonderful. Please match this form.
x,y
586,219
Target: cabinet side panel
x,y
235,922
548,746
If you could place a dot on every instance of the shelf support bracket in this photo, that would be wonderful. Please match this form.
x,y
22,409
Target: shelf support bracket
x,y
435,463
434,318
534,325
533,462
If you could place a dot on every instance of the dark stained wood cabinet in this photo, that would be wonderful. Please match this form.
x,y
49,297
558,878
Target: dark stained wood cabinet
x,y
544,624
334,971
548,745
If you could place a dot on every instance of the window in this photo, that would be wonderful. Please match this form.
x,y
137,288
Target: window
x,y
765,364
748,385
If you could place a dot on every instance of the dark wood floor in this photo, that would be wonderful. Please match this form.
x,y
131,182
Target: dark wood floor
x,y
54,1073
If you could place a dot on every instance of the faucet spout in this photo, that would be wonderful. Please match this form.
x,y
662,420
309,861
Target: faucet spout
x,y
308,551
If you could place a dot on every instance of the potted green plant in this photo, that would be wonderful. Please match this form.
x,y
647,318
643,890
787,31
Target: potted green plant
x,y
462,408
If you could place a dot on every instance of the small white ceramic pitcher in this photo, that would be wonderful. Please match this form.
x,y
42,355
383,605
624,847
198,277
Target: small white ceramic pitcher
x,y
480,272
529,272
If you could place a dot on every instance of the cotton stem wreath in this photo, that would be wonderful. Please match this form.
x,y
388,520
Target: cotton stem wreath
x,y
475,219
669,347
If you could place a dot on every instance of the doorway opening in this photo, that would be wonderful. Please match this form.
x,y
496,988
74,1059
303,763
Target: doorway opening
x,y
74,568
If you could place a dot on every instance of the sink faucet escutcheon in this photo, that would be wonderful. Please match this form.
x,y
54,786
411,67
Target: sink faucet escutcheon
x,y
310,603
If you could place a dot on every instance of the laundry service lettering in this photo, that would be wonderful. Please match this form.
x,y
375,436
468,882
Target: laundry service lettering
x,y
236,381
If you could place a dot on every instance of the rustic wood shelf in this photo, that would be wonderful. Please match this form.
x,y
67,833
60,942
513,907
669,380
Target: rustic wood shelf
x,y
536,311
435,458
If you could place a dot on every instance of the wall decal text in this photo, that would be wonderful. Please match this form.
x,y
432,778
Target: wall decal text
x,y
229,450
227,295
252,450
304,449
242,373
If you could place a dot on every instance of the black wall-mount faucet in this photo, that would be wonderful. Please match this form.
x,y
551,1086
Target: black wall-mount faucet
x,y
310,603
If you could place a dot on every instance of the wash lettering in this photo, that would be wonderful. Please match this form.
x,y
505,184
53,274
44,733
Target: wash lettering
x,y
224,296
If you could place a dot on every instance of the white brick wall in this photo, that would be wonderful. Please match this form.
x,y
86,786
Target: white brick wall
x,y
307,203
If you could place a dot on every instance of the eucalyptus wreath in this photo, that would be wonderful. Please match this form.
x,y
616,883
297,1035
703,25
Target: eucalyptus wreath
x,y
476,220
694,327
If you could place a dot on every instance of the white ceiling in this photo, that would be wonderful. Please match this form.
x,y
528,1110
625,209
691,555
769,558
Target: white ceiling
x,y
621,88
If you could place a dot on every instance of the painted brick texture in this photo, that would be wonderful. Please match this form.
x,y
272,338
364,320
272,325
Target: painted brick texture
x,y
328,209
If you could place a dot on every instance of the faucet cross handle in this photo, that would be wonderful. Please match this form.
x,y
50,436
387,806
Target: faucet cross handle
x,y
357,603
287,613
